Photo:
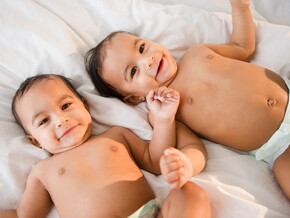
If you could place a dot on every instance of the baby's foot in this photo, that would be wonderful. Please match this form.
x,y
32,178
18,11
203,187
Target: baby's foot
x,y
175,167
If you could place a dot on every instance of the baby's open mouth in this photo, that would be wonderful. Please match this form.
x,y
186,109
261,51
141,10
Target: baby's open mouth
x,y
67,132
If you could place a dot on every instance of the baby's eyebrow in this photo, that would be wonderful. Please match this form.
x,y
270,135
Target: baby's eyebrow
x,y
63,97
34,117
136,42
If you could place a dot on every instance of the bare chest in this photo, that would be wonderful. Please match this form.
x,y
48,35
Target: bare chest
x,y
233,97
96,178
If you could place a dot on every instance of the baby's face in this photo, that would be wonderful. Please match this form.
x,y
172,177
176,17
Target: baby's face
x,y
134,66
53,116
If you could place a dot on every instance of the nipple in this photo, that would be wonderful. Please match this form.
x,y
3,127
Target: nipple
x,y
271,102
114,148
61,171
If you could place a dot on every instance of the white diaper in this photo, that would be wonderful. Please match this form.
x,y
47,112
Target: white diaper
x,y
279,141
148,210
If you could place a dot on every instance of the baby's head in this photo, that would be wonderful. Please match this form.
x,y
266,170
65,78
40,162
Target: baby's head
x,y
52,113
128,67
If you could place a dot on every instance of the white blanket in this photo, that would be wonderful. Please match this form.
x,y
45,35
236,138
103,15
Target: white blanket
x,y
40,36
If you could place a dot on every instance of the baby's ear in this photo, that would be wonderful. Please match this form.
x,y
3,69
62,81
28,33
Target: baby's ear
x,y
33,140
133,99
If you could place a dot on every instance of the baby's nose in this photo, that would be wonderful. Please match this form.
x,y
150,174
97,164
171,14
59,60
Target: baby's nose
x,y
63,121
150,61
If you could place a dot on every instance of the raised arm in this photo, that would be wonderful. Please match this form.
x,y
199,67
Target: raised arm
x,y
163,104
243,38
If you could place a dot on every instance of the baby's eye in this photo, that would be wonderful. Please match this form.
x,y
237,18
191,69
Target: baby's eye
x,y
65,106
133,71
43,121
141,48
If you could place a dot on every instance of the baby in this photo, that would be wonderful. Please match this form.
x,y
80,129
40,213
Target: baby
x,y
97,176
223,98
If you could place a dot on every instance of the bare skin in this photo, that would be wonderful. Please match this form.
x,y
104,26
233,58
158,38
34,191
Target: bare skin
x,y
223,98
95,179
100,179
243,104
240,105
99,176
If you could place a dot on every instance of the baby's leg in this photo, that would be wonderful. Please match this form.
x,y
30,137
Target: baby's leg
x,y
176,168
281,169
190,201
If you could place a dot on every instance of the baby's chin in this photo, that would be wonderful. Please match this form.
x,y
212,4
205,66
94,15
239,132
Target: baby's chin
x,y
62,149
70,144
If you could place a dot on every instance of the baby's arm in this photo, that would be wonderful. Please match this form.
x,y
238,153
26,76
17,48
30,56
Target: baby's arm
x,y
8,214
163,104
243,39
179,165
36,201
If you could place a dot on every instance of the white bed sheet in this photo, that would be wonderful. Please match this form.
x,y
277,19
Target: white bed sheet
x,y
52,36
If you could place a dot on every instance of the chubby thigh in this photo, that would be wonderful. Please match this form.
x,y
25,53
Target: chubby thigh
x,y
96,179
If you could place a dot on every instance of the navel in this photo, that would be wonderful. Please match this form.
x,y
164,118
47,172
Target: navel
x,y
271,102
61,171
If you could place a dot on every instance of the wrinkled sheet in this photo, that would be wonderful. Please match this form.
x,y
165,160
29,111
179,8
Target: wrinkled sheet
x,y
39,36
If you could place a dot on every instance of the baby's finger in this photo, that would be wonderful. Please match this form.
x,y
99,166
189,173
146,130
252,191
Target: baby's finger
x,y
161,90
171,152
172,97
171,159
171,177
171,100
171,92
159,98
150,97
170,167
175,185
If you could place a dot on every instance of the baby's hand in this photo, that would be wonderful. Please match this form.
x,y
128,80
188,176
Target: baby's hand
x,y
175,167
163,103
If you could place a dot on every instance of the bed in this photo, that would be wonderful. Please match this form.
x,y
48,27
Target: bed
x,y
39,36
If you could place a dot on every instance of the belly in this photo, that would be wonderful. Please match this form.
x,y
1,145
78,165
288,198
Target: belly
x,y
241,113
118,199
97,181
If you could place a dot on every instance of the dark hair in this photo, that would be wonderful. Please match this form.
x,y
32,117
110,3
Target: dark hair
x,y
94,65
29,82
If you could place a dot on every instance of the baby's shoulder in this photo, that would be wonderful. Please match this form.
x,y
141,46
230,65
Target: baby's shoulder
x,y
199,48
115,132
39,168
196,52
